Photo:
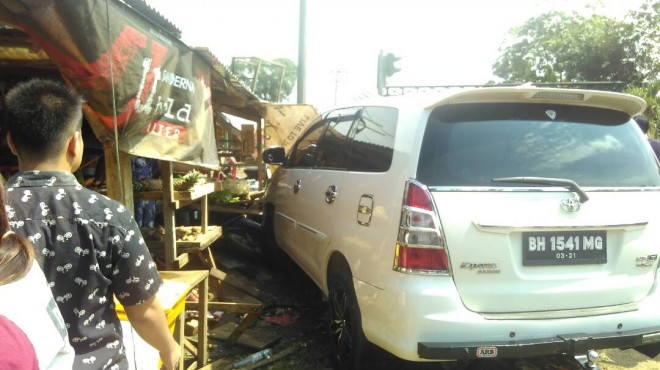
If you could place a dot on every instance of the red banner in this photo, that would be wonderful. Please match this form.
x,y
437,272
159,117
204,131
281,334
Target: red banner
x,y
145,84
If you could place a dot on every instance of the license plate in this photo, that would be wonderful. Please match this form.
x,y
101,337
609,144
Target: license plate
x,y
564,248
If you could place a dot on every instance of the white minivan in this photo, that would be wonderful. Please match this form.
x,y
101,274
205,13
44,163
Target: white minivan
x,y
493,222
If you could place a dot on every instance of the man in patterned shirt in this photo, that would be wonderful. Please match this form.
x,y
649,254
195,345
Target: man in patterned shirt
x,y
90,246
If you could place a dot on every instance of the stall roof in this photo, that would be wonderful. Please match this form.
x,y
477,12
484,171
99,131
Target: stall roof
x,y
16,48
154,16
229,94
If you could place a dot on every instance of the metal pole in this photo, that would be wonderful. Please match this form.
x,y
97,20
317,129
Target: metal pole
x,y
302,68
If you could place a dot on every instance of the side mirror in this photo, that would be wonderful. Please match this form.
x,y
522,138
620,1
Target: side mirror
x,y
274,155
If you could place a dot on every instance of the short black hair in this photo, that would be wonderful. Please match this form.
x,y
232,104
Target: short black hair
x,y
642,121
41,115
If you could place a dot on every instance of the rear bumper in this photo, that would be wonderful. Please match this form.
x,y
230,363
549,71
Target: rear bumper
x,y
573,344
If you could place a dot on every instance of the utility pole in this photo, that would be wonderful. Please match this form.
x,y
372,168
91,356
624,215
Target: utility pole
x,y
302,51
338,78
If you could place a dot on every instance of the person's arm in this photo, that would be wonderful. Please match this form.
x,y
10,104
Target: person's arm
x,y
149,321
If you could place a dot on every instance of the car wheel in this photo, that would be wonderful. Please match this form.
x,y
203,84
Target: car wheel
x,y
345,322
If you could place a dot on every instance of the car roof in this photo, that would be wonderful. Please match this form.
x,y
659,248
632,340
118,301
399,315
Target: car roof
x,y
629,104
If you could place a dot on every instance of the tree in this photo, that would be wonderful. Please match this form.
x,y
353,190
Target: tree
x,y
646,23
271,81
556,47
647,34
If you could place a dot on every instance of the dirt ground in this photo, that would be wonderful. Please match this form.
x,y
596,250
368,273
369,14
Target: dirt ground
x,y
293,325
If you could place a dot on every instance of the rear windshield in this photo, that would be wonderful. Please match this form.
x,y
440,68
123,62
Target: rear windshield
x,y
470,144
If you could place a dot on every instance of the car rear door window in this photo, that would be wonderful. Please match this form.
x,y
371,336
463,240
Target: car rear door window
x,y
332,147
470,144
304,151
372,140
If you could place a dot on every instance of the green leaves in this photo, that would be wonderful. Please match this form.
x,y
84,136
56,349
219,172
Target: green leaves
x,y
560,47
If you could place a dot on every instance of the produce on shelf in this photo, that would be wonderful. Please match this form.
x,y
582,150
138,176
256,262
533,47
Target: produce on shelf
x,y
183,233
184,183
223,196
189,180
187,233
148,185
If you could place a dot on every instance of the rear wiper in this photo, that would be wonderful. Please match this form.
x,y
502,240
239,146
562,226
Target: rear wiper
x,y
569,184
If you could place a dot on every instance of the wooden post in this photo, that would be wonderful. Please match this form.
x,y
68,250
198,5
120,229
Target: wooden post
x,y
169,206
202,344
119,176
261,173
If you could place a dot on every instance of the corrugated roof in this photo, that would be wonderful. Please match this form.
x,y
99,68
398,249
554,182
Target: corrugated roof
x,y
155,16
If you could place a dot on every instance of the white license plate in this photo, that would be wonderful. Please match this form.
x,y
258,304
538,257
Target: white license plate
x,y
564,248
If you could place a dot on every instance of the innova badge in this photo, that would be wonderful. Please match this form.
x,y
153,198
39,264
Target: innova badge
x,y
570,205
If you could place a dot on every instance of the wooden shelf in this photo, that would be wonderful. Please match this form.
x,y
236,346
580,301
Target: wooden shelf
x,y
245,207
202,242
188,195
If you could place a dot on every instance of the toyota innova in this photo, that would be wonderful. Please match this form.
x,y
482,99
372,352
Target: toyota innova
x,y
493,222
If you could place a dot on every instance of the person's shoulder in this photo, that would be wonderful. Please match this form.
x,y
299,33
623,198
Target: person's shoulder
x,y
95,203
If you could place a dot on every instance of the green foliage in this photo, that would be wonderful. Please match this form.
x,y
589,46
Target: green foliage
x,y
650,93
223,196
271,81
558,47
646,22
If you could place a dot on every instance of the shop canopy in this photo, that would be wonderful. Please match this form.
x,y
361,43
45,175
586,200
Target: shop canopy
x,y
145,90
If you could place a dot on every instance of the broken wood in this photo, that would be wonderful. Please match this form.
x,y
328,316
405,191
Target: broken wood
x,y
222,364
252,339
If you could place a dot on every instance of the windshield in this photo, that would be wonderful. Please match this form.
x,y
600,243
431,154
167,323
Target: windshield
x,y
471,144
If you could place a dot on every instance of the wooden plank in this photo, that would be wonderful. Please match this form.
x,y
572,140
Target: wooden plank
x,y
189,195
271,359
231,307
243,207
198,191
168,215
181,261
179,335
244,285
119,176
223,364
202,335
204,219
190,347
218,274
252,339
202,242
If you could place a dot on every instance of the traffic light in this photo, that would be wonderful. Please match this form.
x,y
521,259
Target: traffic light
x,y
390,68
386,68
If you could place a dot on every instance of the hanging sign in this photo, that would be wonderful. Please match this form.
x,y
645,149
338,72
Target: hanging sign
x,y
143,87
286,122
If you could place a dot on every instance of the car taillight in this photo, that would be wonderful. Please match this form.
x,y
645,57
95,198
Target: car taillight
x,y
420,246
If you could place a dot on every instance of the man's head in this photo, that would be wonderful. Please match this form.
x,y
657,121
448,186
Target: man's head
x,y
44,119
642,122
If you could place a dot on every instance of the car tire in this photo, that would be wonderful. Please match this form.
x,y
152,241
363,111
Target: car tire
x,y
348,340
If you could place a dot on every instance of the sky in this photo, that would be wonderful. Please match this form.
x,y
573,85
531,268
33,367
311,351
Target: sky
x,y
440,42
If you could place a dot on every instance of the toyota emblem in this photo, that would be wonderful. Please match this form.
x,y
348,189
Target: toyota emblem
x,y
570,205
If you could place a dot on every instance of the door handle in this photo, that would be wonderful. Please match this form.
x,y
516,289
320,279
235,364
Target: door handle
x,y
331,194
296,186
